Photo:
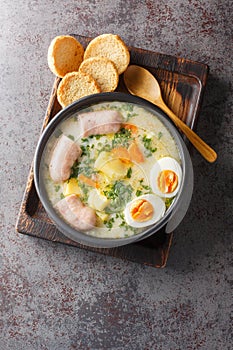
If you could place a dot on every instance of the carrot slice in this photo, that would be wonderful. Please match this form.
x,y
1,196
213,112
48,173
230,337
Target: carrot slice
x,y
88,181
133,128
135,153
121,153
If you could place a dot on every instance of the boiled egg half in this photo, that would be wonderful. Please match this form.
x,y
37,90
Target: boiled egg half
x,y
144,210
165,177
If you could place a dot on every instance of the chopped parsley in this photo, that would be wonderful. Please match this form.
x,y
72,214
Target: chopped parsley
x,y
129,173
130,115
122,138
74,170
147,142
109,223
119,194
160,134
84,164
138,193
168,202
143,189
104,147
97,137
71,137
57,133
57,188
85,191
127,107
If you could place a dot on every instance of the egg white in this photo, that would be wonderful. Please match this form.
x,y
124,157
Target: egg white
x,y
166,163
159,210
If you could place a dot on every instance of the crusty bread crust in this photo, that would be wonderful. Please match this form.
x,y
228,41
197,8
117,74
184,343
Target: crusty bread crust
x,y
74,86
65,55
103,71
110,46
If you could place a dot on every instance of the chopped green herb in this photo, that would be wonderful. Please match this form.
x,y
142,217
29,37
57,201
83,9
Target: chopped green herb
x,y
147,141
111,107
85,163
129,173
83,166
85,192
160,134
57,188
75,170
122,138
127,107
124,107
105,148
71,137
85,150
130,115
109,223
57,133
143,189
119,194
168,202
97,137
138,193
147,188
127,227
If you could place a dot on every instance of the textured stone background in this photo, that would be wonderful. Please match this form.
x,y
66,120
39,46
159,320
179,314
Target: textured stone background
x,y
59,297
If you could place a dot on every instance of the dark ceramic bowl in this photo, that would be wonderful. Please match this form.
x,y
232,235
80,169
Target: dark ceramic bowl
x,y
174,214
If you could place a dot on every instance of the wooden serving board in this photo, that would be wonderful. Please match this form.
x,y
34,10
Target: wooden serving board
x,y
182,83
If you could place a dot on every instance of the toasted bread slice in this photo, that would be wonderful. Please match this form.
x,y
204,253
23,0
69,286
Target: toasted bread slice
x,y
110,46
103,71
74,86
65,55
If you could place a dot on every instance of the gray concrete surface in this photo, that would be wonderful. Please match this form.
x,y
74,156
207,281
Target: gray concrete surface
x,y
58,297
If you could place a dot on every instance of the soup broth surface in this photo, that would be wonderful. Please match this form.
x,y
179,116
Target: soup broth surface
x,y
117,180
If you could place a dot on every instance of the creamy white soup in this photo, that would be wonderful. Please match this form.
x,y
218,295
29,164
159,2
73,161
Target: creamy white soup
x,y
113,173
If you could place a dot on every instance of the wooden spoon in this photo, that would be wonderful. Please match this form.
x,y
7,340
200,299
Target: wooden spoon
x,y
142,83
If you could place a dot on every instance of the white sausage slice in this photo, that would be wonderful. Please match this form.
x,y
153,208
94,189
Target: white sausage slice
x,y
65,153
100,122
77,214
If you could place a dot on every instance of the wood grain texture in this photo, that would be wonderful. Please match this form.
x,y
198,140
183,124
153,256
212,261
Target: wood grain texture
x,y
182,83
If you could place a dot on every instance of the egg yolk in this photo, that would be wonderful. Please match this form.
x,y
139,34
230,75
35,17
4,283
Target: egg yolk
x,y
167,181
141,210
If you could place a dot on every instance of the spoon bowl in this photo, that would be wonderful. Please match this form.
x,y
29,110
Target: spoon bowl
x,y
140,82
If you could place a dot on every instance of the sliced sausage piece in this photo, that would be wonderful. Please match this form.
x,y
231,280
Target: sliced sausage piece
x,y
65,153
77,214
100,122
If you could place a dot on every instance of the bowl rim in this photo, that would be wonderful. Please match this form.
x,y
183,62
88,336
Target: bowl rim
x,y
67,112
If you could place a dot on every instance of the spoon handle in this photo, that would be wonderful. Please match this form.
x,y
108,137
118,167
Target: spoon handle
x,y
206,151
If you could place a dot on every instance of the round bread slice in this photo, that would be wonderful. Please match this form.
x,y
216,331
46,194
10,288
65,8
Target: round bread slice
x,y
65,55
110,46
74,86
103,71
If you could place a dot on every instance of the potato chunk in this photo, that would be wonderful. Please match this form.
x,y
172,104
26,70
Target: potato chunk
x,y
113,168
97,201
